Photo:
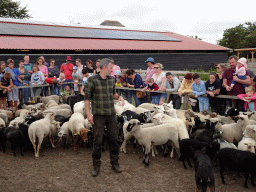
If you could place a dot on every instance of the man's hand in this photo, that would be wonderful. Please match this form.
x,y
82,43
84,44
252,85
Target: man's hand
x,y
228,88
163,89
180,93
90,118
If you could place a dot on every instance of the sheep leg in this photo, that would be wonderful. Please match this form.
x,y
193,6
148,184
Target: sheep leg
x,y
34,145
152,148
123,146
52,142
172,153
222,175
146,158
246,179
21,152
252,181
38,148
13,147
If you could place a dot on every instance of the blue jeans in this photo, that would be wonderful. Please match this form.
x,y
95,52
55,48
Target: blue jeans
x,y
156,98
139,101
66,81
129,96
54,90
24,93
203,106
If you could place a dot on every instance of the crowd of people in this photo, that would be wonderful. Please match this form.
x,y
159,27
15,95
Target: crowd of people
x,y
236,80
69,78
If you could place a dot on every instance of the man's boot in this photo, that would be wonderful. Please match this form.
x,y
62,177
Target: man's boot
x,y
116,168
95,170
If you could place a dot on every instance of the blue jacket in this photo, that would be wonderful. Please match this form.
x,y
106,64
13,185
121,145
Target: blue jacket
x,y
137,82
200,90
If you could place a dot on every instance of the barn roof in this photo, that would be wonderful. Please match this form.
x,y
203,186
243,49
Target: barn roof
x,y
23,34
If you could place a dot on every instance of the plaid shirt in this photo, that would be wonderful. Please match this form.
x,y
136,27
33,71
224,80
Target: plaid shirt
x,y
100,92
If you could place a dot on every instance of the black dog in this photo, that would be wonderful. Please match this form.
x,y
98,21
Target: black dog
x,y
203,171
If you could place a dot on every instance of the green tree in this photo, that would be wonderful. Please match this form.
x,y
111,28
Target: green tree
x,y
12,9
241,36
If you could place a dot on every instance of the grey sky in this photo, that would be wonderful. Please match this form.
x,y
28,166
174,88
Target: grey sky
x,y
206,19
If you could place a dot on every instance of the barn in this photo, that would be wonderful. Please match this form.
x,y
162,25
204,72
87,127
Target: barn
x,y
129,48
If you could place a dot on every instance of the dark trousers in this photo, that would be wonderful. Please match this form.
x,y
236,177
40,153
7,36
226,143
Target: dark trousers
x,y
176,101
238,104
100,121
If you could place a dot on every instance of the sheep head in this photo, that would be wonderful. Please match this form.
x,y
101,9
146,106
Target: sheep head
x,y
83,134
251,147
132,123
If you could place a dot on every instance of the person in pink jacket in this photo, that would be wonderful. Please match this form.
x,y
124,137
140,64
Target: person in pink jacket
x,y
249,98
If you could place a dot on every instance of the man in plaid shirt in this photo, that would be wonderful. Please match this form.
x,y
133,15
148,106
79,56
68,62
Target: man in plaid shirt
x,y
100,90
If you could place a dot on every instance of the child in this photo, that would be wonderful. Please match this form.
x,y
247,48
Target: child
x,y
118,81
61,80
249,98
240,71
5,84
198,88
37,78
152,86
75,79
67,91
213,87
53,81
85,76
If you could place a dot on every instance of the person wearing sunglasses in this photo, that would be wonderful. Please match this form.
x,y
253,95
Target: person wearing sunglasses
x,y
159,78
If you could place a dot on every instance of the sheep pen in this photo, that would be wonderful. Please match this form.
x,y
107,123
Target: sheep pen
x,y
65,170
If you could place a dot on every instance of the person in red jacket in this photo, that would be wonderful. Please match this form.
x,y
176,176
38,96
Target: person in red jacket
x,y
67,69
249,98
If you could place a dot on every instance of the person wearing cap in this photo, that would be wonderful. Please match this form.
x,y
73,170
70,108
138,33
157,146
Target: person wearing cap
x,y
150,70
172,84
67,69
115,67
118,81
240,71
228,76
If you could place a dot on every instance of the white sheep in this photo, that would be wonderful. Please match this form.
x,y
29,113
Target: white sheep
x,y
4,117
62,106
148,106
40,106
51,103
248,142
77,128
40,129
45,100
62,112
16,122
232,132
156,135
128,135
64,132
9,114
159,119
139,110
79,107
2,123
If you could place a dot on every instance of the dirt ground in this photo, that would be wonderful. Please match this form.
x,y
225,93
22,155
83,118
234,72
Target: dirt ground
x,y
65,170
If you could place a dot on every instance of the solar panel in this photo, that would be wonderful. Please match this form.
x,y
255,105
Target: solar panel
x,y
54,31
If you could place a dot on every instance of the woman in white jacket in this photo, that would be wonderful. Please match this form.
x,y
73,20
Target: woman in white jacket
x,y
37,78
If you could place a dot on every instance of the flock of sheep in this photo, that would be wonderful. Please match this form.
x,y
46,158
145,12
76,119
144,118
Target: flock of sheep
x,y
207,138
